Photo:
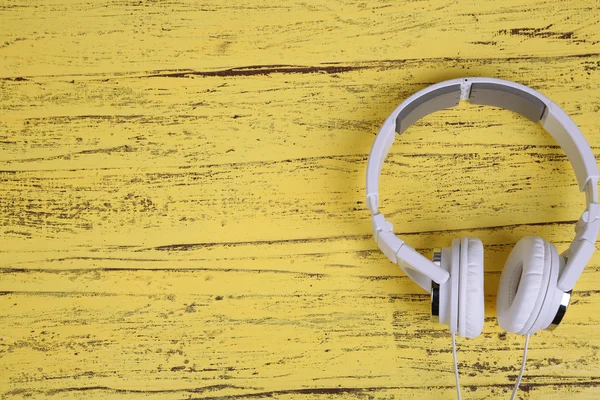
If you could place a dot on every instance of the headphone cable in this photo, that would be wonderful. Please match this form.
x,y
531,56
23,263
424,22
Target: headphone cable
x,y
514,393
516,388
456,366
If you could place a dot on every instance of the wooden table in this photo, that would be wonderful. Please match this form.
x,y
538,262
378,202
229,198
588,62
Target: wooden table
x,y
182,196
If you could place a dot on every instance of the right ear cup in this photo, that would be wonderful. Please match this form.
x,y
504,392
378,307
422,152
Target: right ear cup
x,y
470,299
524,283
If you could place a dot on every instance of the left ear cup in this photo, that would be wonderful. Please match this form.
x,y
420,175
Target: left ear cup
x,y
470,300
524,283
447,292
460,298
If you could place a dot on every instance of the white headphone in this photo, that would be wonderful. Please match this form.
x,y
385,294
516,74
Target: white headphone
x,y
536,281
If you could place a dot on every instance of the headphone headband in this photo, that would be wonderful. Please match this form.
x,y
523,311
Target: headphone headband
x,y
499,93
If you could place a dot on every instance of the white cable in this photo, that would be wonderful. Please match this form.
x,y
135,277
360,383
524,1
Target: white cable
x,y
514,393
456,366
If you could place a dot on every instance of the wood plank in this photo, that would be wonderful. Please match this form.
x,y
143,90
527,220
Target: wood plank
x,y
76,37
145,332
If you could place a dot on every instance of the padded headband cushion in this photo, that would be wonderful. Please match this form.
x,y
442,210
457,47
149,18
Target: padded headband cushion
x,y
522,287
471,301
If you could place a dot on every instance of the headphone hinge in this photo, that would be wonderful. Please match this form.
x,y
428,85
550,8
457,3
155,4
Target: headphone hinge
x,y
588,225
388,242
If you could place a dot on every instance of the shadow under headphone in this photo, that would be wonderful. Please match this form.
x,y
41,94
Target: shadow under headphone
x,y
536,281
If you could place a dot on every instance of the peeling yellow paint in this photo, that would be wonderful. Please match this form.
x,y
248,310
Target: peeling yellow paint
x,y
182,196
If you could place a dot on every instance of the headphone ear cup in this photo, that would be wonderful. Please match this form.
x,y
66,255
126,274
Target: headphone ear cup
x,y
524,283
448,291
461,304
471,304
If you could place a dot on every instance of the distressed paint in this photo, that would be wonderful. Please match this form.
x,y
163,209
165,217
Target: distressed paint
x,y
182,204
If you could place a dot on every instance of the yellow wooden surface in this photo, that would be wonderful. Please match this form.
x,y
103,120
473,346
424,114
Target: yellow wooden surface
x,y
182,196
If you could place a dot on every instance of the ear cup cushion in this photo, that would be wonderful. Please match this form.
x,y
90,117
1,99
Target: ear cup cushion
x,y
471,301
553,296
523,284
453,289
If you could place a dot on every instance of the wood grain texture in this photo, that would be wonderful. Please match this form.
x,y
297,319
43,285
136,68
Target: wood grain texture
x,y
182,196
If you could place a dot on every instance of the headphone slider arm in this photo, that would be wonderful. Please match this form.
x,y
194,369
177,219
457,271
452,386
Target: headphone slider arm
x,y
581,250
402,254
